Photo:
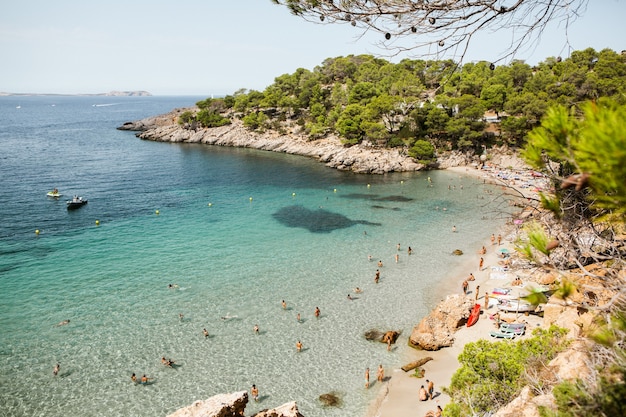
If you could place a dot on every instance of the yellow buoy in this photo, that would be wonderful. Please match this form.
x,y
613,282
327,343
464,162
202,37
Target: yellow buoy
x,y
250,198
335,190
293,194
401,182
157,212
97,222
37,231
210,204
368,186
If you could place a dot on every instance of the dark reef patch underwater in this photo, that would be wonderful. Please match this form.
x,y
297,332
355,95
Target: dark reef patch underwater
x,y
315,221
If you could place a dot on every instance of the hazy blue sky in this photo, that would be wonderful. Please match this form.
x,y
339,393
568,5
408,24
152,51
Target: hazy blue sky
x,y
205,47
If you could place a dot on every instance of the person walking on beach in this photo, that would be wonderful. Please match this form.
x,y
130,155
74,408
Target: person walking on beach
x,y
477,292
254,392
481,263
499,240
465,286
380,375
317,312
367,378
299,346
430,386
486,300
493,239
56,369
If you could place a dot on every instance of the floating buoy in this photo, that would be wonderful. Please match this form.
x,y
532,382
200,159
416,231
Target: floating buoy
x,y
37,231
387,35
293,194
250,198
210,204
402,182
335,190
157,212
97,222
368,186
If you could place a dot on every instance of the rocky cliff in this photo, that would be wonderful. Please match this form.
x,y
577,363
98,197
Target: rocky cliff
x,y
362,158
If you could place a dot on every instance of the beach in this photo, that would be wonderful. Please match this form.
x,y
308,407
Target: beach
x,y
399,396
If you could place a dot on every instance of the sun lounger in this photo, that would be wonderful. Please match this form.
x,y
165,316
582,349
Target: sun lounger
x,y
513,325
500,335
518,331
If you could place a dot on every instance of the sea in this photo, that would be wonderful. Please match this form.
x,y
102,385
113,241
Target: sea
x,y
178,238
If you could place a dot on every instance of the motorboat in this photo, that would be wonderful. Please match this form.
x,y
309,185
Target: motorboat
x,y
75,203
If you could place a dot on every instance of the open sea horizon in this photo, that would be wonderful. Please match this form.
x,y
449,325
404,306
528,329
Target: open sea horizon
x,y
237,231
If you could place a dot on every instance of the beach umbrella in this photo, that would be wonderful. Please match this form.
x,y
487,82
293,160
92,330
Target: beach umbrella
x,y
504,250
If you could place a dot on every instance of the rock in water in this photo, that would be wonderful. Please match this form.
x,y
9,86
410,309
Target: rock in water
x,y
331,399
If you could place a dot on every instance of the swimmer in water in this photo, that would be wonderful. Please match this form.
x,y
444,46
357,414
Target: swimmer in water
x,y
63,323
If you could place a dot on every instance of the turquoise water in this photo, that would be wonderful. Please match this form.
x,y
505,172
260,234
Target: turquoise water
x,y
238,231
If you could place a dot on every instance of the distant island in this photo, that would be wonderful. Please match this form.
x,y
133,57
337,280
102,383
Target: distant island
x,y
138,93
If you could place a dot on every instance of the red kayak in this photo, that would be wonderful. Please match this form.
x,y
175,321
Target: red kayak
x,y
473,318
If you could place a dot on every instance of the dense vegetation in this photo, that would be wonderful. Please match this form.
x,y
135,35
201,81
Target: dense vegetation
x,y
420,105
491,374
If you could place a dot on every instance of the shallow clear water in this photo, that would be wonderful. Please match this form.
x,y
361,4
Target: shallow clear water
x,y
238,231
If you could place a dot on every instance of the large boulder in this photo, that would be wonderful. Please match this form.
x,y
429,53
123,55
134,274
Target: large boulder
x,y
285,410
221,405
437,329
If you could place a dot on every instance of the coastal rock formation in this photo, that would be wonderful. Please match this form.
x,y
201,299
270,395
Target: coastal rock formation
x,y
233,405
221,405
526,405
362,158
437,329
358,158
285,410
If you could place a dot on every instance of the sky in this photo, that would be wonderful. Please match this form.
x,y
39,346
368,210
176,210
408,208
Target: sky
x,y
216,47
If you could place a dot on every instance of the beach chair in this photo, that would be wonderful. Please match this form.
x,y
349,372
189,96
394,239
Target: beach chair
x,y
501,335
518,331
513,326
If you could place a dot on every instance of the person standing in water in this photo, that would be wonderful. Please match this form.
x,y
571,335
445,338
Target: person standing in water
x,y
254,391
367,378
56,369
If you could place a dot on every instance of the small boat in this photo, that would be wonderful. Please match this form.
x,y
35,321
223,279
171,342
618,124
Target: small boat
x,y
75,203
54,193
516,306
473,318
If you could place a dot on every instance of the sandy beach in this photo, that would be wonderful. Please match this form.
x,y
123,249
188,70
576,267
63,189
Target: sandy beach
x,y
399,396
